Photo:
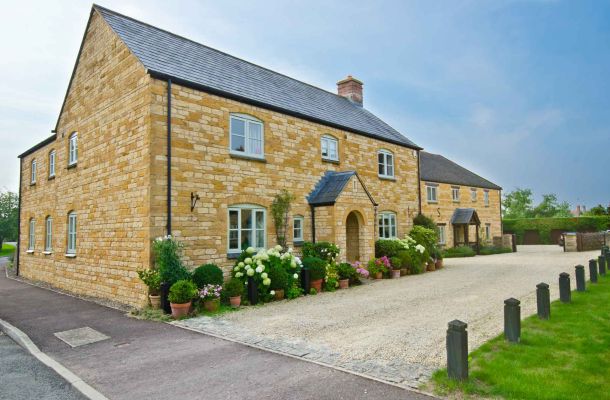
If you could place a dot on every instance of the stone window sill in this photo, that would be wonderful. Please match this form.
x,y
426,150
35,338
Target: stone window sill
x,y
330,160
29,251
298,243
70,255
387,178
32,183
70,166
432,202
46,253
233,256
247,157
51,177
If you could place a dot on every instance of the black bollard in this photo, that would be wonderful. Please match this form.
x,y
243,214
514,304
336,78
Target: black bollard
x,y
512,320
305,281
252,291
580,278
457,350
593,271
164,293
543,300
565,295
601,263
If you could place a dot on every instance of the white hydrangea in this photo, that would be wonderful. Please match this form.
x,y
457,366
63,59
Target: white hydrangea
x,y
248,261
241,264
239,274
250,250
236,268
259,270
267,282
264,275
250,272
278,248
420,248
295,276
272,293
293,264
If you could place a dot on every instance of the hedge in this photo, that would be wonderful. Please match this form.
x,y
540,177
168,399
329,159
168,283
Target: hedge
x,y
544,226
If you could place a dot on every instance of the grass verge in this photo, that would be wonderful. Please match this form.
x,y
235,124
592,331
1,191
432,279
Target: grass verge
x,y
7,249
567,357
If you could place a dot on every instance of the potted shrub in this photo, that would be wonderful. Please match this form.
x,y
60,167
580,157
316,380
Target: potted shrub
x,y
152,279
346,272
438,258
210,294
430,265
180,297
279,280
233,289
405,261
378,266
317,271
395,263
208,274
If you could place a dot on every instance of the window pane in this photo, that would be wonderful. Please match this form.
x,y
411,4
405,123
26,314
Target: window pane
x,y
255,138
238,134
332,149
246,238
238,143
246,219
234,240
260,238
260,220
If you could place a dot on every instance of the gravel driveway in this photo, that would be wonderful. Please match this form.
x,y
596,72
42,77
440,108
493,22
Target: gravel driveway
x,y
395,329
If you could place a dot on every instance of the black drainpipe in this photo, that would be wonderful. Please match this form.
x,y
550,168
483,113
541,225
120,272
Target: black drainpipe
x,y
418,183
313,224
169,156
19,220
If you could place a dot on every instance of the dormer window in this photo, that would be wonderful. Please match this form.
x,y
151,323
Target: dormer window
x,y
330,148
247,137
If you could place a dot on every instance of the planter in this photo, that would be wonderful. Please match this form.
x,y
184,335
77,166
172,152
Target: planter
x,y
235,301
404,271
211,305
379,275
395,273
155,301
438,263
317,284
279,294
180,310
343,283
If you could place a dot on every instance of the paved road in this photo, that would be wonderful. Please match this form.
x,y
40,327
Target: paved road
x,y
145,360
23,377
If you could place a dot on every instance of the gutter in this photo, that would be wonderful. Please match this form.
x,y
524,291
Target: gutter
x,y
313,223
169,156
19,218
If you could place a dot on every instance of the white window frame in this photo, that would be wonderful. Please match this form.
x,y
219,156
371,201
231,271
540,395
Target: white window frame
x,y
326,146
473,194
442,234
487,231
455,194
33,172
73,149
386,225
32,235
255,210
71,245
387,165
52,164
48,238
297,232
486,197
248,120
431,193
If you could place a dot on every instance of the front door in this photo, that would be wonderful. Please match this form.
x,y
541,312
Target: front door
x,y
352,231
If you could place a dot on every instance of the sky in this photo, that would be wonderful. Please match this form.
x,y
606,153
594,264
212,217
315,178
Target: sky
x,y
516,91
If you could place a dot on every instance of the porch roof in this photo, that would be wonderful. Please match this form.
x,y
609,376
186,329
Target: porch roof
x,y
330,186
465,216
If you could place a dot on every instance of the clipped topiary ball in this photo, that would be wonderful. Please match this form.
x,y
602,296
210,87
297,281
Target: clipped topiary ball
x,y
208,274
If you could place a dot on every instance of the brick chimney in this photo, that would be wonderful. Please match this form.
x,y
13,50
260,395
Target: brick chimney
x,y
350,88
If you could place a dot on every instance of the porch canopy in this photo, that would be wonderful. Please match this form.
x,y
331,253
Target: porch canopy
x,y
461,219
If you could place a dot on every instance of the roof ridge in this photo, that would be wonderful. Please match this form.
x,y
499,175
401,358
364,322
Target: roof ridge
x,y
97,6
460,166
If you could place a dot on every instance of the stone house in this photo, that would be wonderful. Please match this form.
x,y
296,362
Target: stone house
x,y
158,134
465,206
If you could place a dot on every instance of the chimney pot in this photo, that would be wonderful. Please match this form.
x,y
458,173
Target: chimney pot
x,y
351,89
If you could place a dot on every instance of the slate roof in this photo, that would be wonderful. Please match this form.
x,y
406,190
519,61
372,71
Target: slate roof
x,y
329,187
436,168
166,55
463,216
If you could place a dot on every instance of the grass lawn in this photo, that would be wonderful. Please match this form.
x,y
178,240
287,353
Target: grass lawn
x,y
6,250
567,357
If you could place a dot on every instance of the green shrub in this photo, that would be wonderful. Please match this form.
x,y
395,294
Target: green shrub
x,y
167,259
424,236
295,291
313,291
395,262
208,274
152,279
182,292
417,268
316,267
325,250
461,251
405,259
233,288
544,226
487,250
425,221
346,271
278,276
388,247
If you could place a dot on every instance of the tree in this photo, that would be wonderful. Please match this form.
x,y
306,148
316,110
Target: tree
x,y
518,204
9,215
598,210
550,207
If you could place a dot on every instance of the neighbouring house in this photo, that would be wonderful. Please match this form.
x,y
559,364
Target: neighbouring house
x,y
158,134
465,206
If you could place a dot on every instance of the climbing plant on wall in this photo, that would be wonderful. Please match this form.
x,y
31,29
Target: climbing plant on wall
x,y
280,208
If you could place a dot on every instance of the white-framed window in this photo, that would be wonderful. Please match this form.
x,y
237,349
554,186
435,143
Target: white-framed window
x,y
486,197
455,193
487,231
48,237
71,248
431,193
247,227
247,136
385,160
473,194
73,149
297,228
330,148
387,225
52,164
32,235
442,238
33,174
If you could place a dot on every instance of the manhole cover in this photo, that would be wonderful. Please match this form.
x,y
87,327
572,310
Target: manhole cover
x,y
81,336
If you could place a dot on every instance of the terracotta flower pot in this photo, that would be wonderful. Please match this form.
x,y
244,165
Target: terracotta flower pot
x,y
279,294
317,284
155,301
211,305
379,275
180,310
395,273
404,271
343,283
439,263
235,301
